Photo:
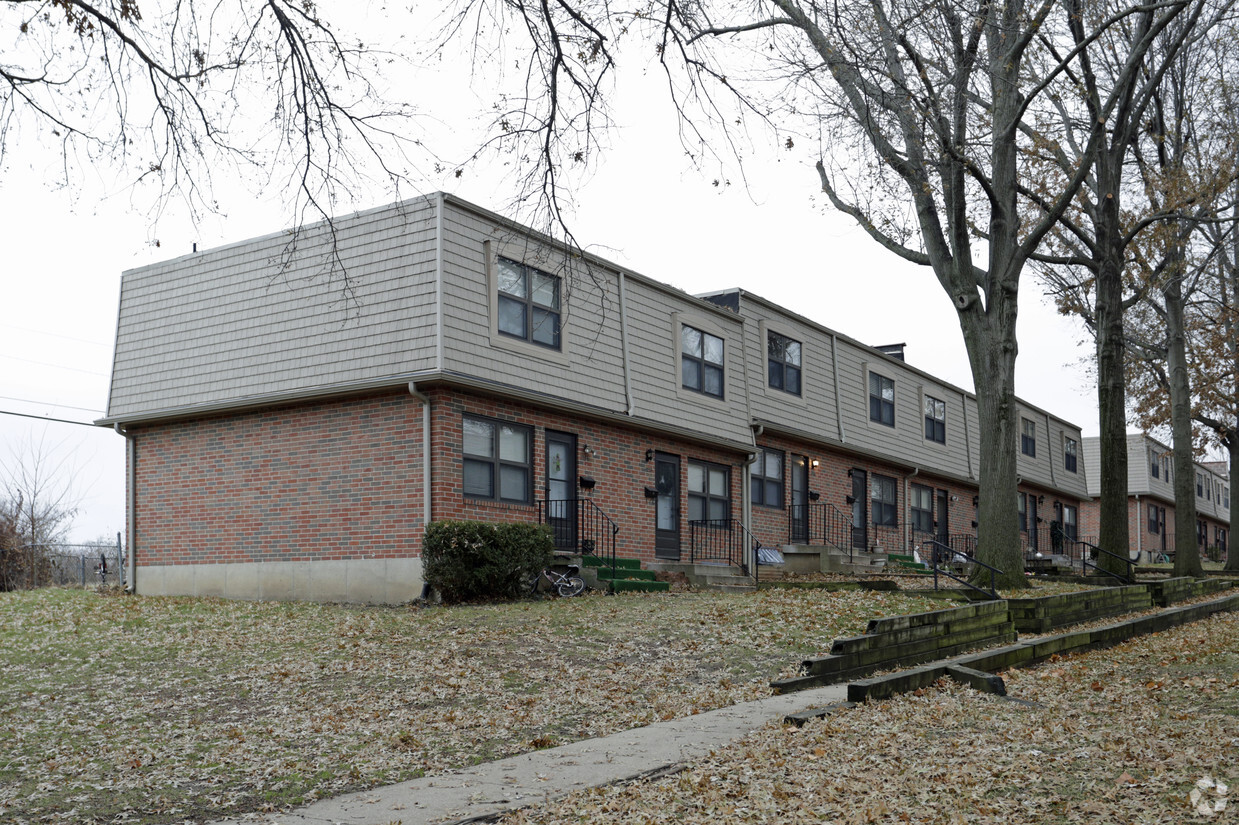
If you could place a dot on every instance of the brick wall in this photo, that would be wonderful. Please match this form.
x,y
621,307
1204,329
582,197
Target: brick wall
x,y
331,480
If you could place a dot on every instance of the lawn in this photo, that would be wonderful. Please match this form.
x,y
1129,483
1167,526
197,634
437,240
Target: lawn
x,y
1147,732
161,710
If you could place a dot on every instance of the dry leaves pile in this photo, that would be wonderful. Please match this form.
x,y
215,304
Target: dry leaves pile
x,y
164,710
1147,732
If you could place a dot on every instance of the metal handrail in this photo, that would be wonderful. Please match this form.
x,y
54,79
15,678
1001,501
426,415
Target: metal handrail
x,y
1128,579
589,529
716,540
940,549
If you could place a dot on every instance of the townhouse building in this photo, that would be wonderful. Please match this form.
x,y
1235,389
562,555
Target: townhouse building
x,y
1151,503
298,408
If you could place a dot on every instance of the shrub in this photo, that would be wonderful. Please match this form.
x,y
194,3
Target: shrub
x,y
466,560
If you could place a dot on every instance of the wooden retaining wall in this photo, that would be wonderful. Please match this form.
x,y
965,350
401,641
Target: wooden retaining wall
x,y
906,640
1046,613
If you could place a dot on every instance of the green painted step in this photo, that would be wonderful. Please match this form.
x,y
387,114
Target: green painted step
x,y
639,586
620,564
604,573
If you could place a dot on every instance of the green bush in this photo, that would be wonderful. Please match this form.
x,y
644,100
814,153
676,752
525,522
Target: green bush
x,y
467,560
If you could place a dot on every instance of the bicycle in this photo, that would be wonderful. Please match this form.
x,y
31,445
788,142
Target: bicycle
x,y
567,583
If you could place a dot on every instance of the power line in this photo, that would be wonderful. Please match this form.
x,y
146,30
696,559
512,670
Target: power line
x,y
47,418
49,404
54,366
58,335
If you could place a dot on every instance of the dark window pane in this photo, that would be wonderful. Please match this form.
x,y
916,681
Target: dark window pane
x,y
478,479
793,380
714,381
776,374
511,317
691,372
546,327
513,483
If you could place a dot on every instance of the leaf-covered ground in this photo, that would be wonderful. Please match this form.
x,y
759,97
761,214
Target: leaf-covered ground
x,y
159,710
1147,732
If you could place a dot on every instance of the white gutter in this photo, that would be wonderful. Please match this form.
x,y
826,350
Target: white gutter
x,y
834,359
630,407
131,475
426,474
439,283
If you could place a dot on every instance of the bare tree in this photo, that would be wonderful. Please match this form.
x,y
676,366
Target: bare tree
x,y
1085,260
919,111
171,95
37,481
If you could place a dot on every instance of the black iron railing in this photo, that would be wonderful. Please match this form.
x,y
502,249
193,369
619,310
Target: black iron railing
x,y
582,528
1094,553
819,524
722,541
945,559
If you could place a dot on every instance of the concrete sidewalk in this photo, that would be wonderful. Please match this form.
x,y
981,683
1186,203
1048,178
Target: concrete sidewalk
x,y
531,778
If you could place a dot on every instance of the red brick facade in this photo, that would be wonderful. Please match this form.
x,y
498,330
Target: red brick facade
x,y
1152,542
342,480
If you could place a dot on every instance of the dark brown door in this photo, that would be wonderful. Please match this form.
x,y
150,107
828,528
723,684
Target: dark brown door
x,y
860,509
561,495
943,517
800,498
667,506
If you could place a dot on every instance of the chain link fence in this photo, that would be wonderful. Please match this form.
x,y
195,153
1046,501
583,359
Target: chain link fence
x,y
29,566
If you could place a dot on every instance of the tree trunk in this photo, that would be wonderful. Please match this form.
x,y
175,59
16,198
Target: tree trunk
x,y
992,350
1186,550
1113,534
1232,535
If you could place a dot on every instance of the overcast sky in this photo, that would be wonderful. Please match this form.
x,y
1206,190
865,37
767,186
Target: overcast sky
x,y
643,207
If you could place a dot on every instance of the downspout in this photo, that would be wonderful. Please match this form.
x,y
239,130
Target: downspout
x,y
967,435
131,475
630,408
439,284
834,361
907,509
1053,477
746,490
1140,528
426,475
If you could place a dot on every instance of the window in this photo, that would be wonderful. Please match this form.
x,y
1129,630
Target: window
x,y
708,491
783,362
528,304
1070,520
922,505
1155,465
497,460
1023,510
881,400
1202,533
1154,522
1167,467
1200,485
701,361
767,479
883,502
935,420
1070,450
1028,437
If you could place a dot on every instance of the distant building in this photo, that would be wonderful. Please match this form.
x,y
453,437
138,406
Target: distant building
x,y
1150,499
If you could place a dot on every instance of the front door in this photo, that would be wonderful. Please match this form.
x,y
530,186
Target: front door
x,y
1032,523
800,499
943,518
860,509
561,488
667,506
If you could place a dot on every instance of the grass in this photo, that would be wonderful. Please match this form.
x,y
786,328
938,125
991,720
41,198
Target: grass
x,y
1142,733
157,710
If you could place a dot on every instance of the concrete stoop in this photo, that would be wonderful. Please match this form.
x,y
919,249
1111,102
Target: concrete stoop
x,y
723,577
813,558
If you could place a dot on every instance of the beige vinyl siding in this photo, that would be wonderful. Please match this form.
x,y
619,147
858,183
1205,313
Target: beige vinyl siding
x,y
229,323
589,368
905,442
1048,467
654,319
